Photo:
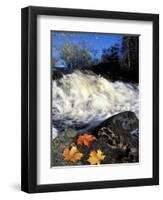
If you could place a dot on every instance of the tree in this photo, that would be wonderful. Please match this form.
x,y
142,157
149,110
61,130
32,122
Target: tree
x,y
130,55
122,62
111,55
130,52
75,55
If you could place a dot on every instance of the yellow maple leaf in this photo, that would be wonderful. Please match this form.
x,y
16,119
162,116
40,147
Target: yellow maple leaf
x,y
95,157
72,154
86,139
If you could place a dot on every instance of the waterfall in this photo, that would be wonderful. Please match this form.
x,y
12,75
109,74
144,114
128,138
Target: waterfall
x,y
82,101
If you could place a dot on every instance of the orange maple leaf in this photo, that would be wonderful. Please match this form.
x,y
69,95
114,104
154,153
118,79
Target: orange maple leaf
x,y
86,139
72,154
95,157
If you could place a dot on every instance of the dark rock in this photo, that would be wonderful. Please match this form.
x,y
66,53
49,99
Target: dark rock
x,y
120,133
56,75
117,137
63,140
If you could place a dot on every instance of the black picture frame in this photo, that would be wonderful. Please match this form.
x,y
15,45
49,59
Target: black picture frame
x,y
29,99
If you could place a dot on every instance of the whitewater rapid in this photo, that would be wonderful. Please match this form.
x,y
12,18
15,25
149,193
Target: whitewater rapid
x,y
82,101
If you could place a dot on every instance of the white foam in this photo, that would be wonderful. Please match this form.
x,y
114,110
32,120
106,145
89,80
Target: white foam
x,y
88,98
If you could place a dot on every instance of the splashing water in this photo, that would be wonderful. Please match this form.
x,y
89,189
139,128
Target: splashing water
x,y
82,101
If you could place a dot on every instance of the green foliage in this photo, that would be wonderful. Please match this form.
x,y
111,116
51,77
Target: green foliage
x,y
75,55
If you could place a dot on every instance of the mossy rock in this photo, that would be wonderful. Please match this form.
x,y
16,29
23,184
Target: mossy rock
x,y
63,140
117,137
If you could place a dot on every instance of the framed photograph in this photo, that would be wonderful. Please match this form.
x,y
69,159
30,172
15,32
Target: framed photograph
x,y
90,99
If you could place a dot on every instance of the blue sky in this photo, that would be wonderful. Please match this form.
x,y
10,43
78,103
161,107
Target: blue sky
x,y
97,41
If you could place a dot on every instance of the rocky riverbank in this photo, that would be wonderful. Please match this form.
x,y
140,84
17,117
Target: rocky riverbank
x,y
115,140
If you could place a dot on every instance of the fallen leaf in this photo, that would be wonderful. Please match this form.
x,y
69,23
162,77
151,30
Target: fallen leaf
x,y
86,139
95,157
72,154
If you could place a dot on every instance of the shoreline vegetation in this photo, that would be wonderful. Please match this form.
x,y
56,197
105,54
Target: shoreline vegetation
x,y
118,62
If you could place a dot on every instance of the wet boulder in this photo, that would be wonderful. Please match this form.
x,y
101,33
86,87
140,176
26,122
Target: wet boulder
x,y
121,134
